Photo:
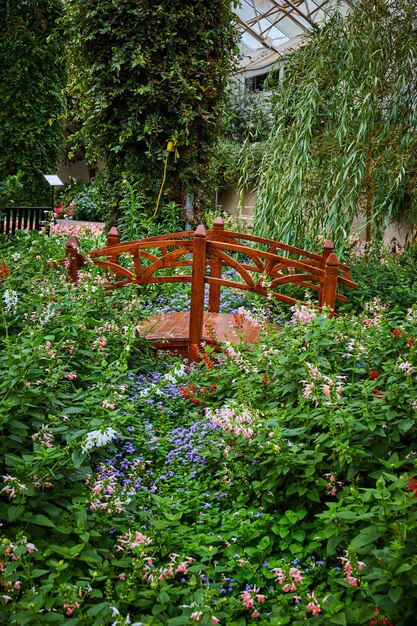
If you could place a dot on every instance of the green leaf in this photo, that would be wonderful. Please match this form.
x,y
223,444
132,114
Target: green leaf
x,y
340,618
98,608
366,536
405,425
38,572
394,594
77,458
163,597
14,512
405,567
298,535
178,621
41,520
332,544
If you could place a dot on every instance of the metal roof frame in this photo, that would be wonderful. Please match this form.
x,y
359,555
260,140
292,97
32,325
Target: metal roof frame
x,y
272,27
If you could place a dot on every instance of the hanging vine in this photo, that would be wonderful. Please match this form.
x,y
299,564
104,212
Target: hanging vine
x,y
31,82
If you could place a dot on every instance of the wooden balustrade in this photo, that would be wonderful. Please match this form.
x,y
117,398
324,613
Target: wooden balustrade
x,y
263,270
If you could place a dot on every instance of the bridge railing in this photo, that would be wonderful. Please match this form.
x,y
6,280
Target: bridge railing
x,y
217,258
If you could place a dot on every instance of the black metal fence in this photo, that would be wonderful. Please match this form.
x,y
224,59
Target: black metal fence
x,y
13,218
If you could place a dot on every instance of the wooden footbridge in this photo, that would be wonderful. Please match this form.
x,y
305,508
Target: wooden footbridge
x,y
260,265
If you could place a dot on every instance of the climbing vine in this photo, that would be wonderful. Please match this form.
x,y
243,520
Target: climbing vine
x,y
31,81
148,73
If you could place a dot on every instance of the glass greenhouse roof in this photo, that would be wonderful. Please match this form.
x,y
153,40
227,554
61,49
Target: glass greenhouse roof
x,y
271,28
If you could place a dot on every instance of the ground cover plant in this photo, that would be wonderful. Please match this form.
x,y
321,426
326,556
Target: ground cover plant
x,y
270,485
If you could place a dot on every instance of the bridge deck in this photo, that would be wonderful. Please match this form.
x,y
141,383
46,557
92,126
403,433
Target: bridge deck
x,y
171,330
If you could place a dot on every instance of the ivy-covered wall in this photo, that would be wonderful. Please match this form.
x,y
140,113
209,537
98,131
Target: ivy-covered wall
x,y
32,77
145,73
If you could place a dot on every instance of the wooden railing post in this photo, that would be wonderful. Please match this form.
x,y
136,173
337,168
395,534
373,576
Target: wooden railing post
x,y
197,291
216,268
76,260
329,286
113,239
328,248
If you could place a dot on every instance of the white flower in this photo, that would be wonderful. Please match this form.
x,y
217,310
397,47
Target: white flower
x,y
98,438
46,315
10,299
177,372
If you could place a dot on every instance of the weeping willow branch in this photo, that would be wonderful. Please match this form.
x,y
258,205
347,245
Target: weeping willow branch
x,y
344,140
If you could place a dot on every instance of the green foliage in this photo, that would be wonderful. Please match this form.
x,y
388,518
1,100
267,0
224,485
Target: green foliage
x,y
379,274
274,482
10,189
32,78
85,201
66,358
135,222
147,74
238,153
344,132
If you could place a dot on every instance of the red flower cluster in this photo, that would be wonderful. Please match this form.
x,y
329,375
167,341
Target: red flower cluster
x,y
400,334
3,271
412,485
238,321
194,393
200,353
373,375
377,393
379,620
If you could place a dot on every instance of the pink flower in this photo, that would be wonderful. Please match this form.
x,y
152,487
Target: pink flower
x,y
30,547
108,405
255,613
196,616
279,575
215,620
314,608
406,367
247,600
296,575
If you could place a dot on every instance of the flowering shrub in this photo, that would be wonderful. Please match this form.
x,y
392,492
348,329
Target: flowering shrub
x,y
65,212
271,484
79,230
